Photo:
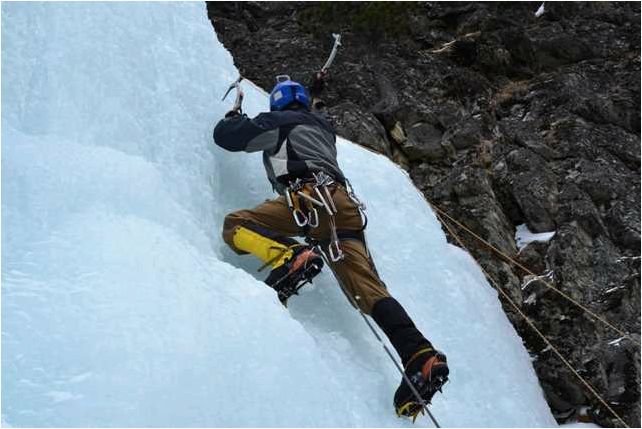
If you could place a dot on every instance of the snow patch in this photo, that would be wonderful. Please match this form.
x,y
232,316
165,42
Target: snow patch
x,y
616,342
614,289
523,236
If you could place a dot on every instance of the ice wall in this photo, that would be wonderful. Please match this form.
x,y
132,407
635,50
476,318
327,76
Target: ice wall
x,y
121,306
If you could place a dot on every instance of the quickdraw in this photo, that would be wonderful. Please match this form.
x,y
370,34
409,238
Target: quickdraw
x,y
312,194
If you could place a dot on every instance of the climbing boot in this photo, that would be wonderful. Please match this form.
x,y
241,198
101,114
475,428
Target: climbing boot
x,y
428,371
304,264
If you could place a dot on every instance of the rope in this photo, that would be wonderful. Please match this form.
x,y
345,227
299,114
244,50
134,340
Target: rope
x,y
517,309
548,285
376,334
539,333
508,258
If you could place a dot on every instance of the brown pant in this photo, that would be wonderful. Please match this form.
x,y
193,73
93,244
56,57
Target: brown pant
x,y
356,271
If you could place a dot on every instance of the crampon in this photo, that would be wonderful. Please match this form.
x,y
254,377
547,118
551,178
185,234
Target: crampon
x,y
428,373
303,267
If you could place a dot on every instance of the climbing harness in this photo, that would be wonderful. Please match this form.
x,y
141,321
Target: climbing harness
x,y
312,194
239,95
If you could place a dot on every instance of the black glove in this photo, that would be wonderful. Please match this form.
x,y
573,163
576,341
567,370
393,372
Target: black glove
x,y
318,82
232,113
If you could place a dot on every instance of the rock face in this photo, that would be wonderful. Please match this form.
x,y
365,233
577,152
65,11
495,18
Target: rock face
x,y
502,119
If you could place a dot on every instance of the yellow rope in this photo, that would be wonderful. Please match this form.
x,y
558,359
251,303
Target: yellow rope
x,y
548,285
542,336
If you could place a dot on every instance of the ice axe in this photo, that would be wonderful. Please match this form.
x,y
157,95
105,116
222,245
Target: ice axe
x,y
317,79
239,94
337,43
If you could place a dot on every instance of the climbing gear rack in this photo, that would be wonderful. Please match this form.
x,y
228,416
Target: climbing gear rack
x,y
312,194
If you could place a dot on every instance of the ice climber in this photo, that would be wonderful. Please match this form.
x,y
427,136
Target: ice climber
x,y
316,202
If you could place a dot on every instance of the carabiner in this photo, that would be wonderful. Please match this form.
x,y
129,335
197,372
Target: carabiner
x,y
322,199
329,199
336,254
313,214
298,215
288,198
309,198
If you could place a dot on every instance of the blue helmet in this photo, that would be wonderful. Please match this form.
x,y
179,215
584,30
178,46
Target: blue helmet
x,y
287,92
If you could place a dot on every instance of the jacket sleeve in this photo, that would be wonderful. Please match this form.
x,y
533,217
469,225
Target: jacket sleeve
x,y
239,133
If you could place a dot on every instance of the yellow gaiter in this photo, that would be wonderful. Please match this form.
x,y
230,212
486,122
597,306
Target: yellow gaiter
x,y
269,251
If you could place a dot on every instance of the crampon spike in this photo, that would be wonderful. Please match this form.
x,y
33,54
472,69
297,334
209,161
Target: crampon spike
x,y
420,411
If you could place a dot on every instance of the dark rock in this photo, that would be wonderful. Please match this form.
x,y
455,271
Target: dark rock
x,y
450,113
534,189
361,127
501,118
532,256
623,224
580,210
465,135
423,142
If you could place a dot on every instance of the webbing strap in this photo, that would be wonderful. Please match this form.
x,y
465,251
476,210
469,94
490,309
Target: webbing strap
x,y
343,234
419,353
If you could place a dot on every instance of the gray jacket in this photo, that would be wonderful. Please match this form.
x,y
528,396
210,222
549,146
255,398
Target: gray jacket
x,y
295,143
